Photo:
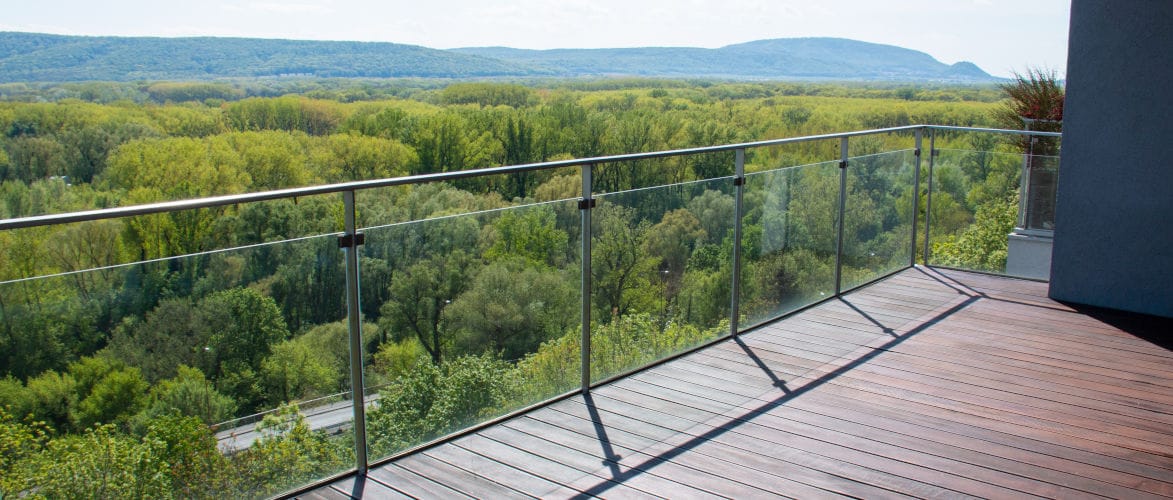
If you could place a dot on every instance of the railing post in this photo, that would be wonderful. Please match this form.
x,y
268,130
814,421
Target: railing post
x,y
349,242
584,208
915,196
739,191
929,193
1024,183
842,210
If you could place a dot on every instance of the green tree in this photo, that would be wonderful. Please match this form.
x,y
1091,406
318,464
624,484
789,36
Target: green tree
x,y
113,399
196,468
293,372
434,400
419,297
101,463
189,394
511,308
981,246
620,269
530,234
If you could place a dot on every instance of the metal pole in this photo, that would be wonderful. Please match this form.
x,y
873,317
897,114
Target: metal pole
x,y
842,210
584,208
929,192
915,197
739,189
350,242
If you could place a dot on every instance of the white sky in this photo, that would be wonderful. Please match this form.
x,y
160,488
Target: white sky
x,y
1000,36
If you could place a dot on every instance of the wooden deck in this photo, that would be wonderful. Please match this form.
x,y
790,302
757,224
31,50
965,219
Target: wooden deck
x,y
928,384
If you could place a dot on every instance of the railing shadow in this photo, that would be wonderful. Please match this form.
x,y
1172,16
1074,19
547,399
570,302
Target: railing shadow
x,y
883,328
787,395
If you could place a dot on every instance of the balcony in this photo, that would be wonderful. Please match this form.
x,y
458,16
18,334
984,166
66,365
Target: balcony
x,y
522,331
929,383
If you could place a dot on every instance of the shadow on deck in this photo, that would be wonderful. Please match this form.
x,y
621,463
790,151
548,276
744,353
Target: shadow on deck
x,y
929,383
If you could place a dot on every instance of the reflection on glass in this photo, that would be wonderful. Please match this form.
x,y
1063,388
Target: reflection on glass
x,y
788,250
471,316
878,215
661,263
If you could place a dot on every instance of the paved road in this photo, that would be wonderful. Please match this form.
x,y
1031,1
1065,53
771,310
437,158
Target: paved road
x,y
334,417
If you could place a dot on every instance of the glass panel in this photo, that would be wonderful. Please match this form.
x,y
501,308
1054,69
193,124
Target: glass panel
x,y
975,206
221,365
468,316
1039,208
878,231
788,258
661,272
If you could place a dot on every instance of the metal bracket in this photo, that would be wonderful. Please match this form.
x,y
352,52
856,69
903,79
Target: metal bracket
x,y
843,164
349,241
916,152
739,181
586,204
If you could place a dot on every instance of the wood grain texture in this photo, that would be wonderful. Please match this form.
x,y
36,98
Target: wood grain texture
x,y
928,384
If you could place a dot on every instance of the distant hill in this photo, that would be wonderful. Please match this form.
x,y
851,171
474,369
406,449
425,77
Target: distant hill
x,y
55,58
806,58
39,57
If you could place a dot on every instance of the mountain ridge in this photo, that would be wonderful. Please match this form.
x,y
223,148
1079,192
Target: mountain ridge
x,y
29,57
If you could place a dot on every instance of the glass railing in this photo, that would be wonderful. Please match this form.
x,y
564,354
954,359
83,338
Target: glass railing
x,y
788,252
222,337
985,192
661,263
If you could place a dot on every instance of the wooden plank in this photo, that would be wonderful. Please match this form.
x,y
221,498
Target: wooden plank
x,y
464,481
913,403
415,485
548,462
1068,480
990,450
958,428
687,482
894,471
362,487
323,493
1044,360
1056,484
1001,392
1114,388
514,478
1016,387
814,470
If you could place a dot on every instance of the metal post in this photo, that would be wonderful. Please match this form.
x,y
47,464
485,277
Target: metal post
x,y
584,208
349,243
1024,183
842,210
929,192
915,197
739,189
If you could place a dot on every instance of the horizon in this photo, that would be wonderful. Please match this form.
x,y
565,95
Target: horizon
x,y
999,36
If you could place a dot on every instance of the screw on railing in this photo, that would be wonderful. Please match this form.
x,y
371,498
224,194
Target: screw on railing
x,y
929,192
739,190
915,196
840,222
350,242
584,207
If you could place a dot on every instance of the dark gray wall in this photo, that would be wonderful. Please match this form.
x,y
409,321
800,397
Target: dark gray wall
x,y
1114,213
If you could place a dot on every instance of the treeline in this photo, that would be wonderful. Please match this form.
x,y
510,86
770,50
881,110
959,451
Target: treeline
x,y
131,337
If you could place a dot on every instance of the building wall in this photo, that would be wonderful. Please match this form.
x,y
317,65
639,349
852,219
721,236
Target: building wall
x,y
1114,212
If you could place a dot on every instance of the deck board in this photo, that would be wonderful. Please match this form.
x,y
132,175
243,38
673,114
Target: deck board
x,y
930,383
